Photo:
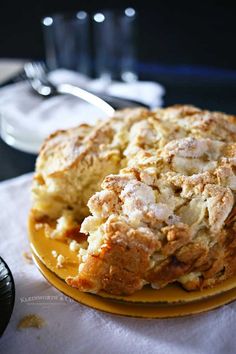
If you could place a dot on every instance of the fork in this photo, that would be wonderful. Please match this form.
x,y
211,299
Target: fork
x,y
40,83
37,75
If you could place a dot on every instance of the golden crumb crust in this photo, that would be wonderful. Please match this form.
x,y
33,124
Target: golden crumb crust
x,y
155,191
73,163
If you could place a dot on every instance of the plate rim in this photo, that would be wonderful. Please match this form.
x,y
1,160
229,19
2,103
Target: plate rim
x,y
150,311
138,297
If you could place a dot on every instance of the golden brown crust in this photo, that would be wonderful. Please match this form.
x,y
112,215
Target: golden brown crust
x,y
72,164
165,210
123,259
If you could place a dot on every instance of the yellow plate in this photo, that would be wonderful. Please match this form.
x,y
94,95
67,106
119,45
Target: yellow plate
x,y
43,246
132,309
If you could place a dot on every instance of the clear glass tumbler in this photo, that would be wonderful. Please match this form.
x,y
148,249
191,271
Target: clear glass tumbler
x,y
67,41
115,44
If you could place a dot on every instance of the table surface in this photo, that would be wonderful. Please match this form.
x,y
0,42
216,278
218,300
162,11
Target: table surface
x,y
204,87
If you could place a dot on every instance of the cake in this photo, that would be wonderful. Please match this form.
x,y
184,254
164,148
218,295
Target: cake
x,y
151,192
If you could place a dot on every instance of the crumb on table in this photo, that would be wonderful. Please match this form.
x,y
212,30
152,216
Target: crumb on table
x,y
31,321
28,257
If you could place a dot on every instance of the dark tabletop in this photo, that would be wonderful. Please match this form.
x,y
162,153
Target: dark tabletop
x,y
203,87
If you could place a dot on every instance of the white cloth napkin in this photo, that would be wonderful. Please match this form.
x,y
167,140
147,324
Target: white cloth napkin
x,y
29,118
73,328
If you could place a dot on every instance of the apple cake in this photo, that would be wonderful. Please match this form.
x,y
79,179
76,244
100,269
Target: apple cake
x,y
151,192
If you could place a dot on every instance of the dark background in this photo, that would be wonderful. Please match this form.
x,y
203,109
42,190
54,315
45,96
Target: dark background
x,y
189,47
171,32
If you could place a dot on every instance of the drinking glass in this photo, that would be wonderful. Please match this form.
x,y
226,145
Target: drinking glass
x,y
67,41
115,44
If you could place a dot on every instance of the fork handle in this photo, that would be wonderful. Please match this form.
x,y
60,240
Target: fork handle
x,y
86,96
